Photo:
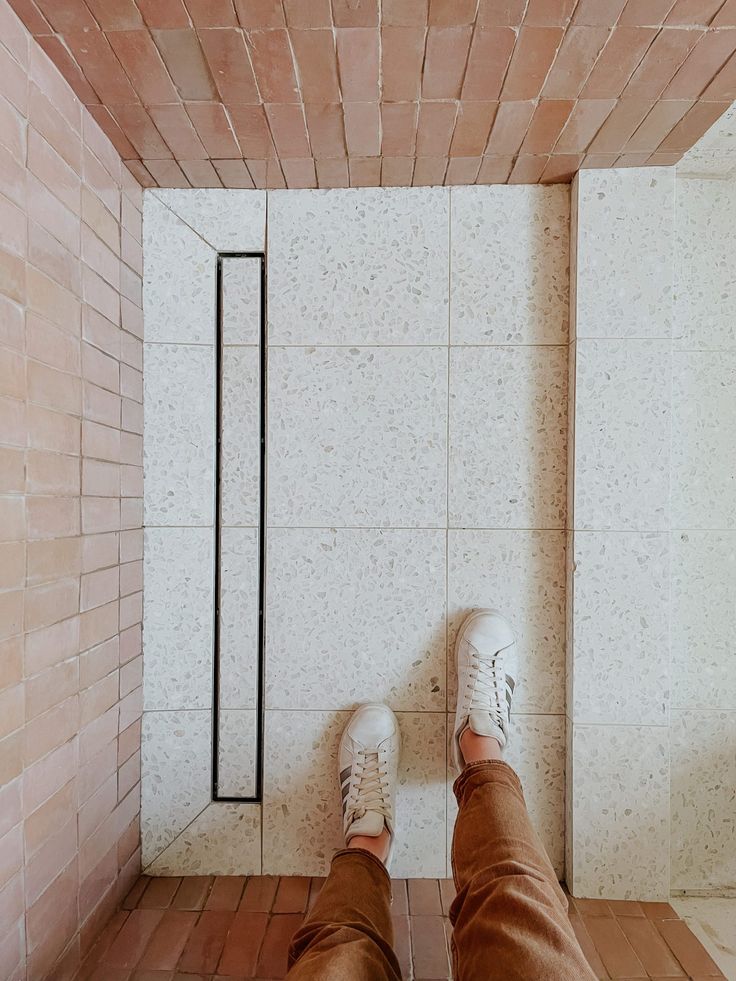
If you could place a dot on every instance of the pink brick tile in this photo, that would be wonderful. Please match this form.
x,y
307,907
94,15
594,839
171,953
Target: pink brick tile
x,y
11,703
53,258
51,687
12,130
57,852
98,625
12,565
100,220
53,302
51,603
99,588
56,89
14,81
12,177
98,662
44,117
49,517
46,776
99,551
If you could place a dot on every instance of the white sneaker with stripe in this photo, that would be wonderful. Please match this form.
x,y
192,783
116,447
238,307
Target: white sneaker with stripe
x,y
368,765
485,653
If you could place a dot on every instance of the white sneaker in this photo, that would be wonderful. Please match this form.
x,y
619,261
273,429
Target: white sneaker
x,y
485,653
368,767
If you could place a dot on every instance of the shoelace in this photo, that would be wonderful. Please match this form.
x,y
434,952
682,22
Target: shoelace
x,y
370,791
488,687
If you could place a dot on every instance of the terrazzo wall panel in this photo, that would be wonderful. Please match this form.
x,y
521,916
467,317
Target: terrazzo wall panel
x,y
619,543
183,830
703,718
416,452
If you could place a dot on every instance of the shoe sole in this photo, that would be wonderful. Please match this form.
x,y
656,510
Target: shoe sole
x,y
463,626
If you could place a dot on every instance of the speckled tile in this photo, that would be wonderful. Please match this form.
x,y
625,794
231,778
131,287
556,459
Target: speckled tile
x,y
703,800
509,275
622,435
178,279
621,655
357,437
176,763
237,753
238,617
706,276
225,839
508,425
355,615
302,824
625,265
178,618
703,423
620,812
536,751
703,609
241,300
521,574
240,448
179,437
230,220
358,267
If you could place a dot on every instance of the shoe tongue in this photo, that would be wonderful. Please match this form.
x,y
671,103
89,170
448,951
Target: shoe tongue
x,y
371,824
482,724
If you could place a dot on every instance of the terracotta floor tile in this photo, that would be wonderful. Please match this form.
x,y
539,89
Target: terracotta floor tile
x,y
400,901
167,942
616,952
686,947
402,943
258,893
292,894
424,897
226,892
133,897
315,888
592,907
127,948
625,907
274,953
587,946
145,975
159,893
447,894
659,911
650,948
243,944
205,942
192,892
429,947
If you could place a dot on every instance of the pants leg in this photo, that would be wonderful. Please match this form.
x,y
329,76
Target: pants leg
x,y
510,914
348,935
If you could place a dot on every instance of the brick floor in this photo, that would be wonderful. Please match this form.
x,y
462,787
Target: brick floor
x,y
229,928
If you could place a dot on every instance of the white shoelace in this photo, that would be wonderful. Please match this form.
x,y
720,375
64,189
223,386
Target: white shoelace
x,y
488,688
370,791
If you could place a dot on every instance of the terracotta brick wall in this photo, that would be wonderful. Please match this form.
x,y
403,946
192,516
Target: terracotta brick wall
x,y
70,518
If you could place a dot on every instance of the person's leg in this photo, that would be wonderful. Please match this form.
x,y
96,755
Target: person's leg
x,y
510,914
348,933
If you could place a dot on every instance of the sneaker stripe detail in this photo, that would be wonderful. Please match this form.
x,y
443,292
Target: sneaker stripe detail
x,y
345,774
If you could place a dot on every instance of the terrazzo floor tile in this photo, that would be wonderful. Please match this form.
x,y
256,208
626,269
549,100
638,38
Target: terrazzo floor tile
x,y
241,300
522,575
620,830
355,615
238,617
509,278
703,800
225,839
176,777
230,220
536,751
302,825
620,663
179,440
178,279
706,241
357,437
178,618
622,435
240,439
508,425
703,423
625,240
237,753
367,267
703,647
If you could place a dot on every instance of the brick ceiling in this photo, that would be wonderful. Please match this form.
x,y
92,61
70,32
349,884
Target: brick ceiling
x,y
331,93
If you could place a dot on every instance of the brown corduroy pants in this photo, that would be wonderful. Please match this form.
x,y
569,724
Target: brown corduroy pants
x,y
509,916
